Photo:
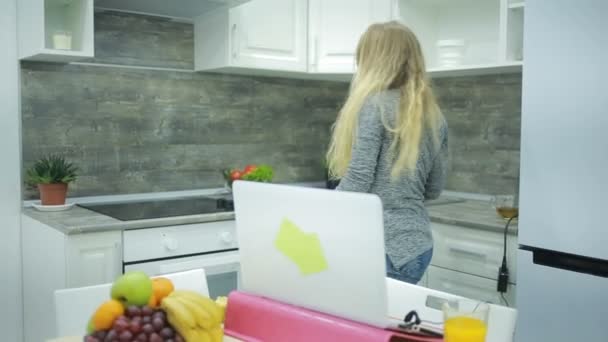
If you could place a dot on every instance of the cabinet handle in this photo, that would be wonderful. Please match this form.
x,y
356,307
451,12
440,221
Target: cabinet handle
x,y
234,42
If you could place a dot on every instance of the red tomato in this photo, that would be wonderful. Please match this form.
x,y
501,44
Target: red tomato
x,y
236,175
249,168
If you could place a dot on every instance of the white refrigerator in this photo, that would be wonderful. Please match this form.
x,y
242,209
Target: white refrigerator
x,y
562,289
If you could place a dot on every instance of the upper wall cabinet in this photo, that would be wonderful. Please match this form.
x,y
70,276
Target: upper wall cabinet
x,y
261,34
466,36
334,30
55,30
176,9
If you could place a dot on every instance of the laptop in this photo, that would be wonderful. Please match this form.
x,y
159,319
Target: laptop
x,y
315,248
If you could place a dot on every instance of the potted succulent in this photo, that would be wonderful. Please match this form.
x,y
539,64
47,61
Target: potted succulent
x,y
52,175
252,173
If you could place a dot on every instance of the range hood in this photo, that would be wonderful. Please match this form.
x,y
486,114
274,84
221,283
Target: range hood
x,y
186,9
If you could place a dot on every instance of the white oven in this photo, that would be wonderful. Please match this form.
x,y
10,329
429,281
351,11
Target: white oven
x,y
211,246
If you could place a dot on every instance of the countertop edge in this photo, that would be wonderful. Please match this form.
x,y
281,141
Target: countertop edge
x,y
207,218
474,225
126,225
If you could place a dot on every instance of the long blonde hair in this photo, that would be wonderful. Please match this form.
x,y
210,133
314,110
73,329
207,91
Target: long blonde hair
x,y
388,56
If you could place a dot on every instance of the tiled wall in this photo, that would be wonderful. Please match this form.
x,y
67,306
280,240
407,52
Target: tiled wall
x,y
484,116
139,130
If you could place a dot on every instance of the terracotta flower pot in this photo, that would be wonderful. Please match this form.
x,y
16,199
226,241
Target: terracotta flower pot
x,y
53,194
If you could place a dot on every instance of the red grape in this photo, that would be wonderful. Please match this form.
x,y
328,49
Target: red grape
x,y
147,311
154,337
126,336
100,334
160,315
141,324
148,328
121,325
135,327
133,311
167,332
111,336
158,324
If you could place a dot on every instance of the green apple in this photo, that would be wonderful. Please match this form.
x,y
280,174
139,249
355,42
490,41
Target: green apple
x,y
132,288
90,327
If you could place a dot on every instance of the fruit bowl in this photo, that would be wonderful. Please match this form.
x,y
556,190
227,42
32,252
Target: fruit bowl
x,y
145,309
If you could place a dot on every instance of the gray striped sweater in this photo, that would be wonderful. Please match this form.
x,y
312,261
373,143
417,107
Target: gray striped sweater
x,y
407,229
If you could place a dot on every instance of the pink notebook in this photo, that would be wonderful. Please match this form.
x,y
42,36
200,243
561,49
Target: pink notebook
x,y
253,318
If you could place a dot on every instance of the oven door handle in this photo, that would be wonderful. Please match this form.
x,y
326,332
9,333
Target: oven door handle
x,y
212,264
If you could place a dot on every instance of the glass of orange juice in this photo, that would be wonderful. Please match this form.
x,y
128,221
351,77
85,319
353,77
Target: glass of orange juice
x,y
465,321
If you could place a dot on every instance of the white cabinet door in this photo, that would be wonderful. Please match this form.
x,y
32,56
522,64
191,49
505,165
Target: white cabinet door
x,y
269,34
468,286
335,27
94,258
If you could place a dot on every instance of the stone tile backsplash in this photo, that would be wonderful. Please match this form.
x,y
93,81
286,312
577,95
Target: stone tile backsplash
x,y
136,130
484,117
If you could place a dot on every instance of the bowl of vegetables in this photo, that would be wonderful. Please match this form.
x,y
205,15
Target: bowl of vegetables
x,y
251,173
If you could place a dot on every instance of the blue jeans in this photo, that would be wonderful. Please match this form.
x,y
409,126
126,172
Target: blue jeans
x,y
412,271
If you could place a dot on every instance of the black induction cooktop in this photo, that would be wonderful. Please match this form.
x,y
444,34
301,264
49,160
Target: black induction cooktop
x,y
131,211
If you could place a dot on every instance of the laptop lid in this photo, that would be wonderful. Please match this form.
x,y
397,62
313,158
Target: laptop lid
x,y
315,248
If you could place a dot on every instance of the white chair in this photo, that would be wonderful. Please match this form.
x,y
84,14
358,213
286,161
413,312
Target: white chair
x,y
74,307
404,297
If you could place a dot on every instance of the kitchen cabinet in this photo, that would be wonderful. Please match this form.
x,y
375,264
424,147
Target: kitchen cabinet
x,y
179,10
52,261
258,35
300,37
335,27
466,260
468,285
491,32
55,30
93,259
473,251
318,38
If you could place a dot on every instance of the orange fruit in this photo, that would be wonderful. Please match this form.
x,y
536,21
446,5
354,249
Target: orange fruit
x,y
106,314
161,288
152,302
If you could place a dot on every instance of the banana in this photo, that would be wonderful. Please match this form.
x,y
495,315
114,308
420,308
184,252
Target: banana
x,y
177,315
201,316
217,334
197,335
207,303
222,303
204,336
190,335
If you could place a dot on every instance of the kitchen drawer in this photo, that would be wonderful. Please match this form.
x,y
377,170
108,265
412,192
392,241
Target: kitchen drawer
x,y
467,285
163,242
472,251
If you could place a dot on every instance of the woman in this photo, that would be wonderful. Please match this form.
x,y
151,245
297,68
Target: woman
x,y
390,139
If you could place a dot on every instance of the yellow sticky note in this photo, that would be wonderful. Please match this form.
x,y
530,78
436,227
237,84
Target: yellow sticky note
x,y
304,249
